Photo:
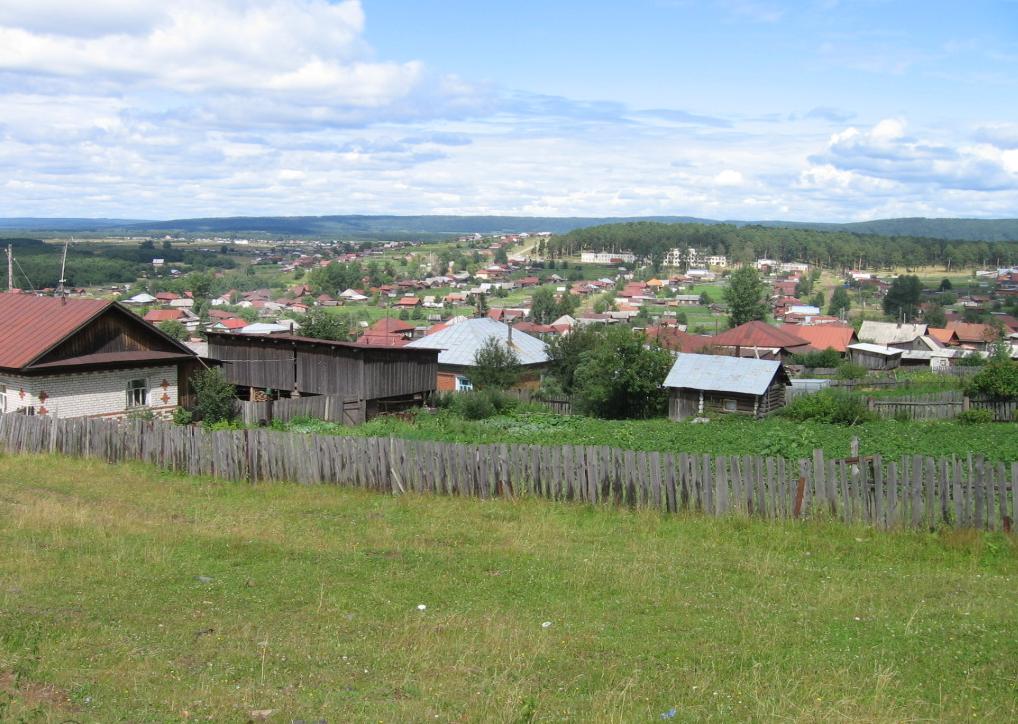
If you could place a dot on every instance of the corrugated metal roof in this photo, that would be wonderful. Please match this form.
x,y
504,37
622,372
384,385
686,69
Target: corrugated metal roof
x,y
890,332
822,336
460,342
758,334
31,325
722,374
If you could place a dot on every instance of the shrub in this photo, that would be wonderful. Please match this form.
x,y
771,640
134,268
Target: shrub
x,y
217,400
970,360
827,358
832,406
850,371
975,416
182,416
998,380
474,406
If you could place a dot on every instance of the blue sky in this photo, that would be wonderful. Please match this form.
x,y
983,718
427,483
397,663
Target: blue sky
x,y
821,110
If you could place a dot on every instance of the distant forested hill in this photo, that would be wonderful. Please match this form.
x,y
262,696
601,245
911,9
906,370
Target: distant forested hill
x,y
744,243
424,227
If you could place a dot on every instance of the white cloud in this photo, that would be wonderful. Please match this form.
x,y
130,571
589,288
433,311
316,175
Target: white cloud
x,y
223,107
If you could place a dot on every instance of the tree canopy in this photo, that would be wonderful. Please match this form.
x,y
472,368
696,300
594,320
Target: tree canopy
x,y
496,366
746,296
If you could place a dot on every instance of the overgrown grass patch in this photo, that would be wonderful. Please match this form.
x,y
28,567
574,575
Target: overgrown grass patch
x,y
126,593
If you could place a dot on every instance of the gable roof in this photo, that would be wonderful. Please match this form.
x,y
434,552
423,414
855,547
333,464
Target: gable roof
x,y
390,325
33,325
758,334
679,341
740,375
163,315
824,336
890,332
972,332
460,342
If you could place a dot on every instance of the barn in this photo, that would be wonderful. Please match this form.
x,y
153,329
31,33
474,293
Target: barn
x,y
701,383
369,379
88,358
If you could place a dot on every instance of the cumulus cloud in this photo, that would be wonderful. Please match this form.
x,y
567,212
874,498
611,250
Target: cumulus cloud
x,y
222,107
886,151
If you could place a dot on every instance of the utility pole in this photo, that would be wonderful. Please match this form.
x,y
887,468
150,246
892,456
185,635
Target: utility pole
x,y
10,267
63,266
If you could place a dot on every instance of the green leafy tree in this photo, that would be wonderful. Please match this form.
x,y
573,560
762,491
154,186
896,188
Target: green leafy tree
x,y
705,299
501,256
818,300
935,316
543,307
621,378
840,302
217,399
902,298
320,324
175,329
945,285
496,366
745,296
566,352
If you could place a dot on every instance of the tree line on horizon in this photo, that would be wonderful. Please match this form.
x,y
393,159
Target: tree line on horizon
x,y
830,249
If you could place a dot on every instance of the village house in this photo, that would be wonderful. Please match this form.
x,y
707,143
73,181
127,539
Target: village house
x,y
701,383
760,340
892,334
88,358
461,338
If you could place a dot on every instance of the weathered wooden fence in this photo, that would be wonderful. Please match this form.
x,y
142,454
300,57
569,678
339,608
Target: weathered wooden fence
x,y
940,406
914,491
935,406
331,408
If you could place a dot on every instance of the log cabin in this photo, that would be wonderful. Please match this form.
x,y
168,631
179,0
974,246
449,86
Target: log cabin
x,y
702,383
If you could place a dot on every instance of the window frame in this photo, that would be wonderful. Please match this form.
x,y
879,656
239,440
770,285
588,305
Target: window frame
x,y
132,393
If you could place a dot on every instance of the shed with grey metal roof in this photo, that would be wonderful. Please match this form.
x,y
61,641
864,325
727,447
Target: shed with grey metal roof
x,y
703,383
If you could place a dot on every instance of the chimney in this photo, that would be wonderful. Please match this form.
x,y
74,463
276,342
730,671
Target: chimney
x,y
510,341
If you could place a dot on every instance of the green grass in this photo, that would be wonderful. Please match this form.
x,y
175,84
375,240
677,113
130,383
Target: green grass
x,y
308,601
727,436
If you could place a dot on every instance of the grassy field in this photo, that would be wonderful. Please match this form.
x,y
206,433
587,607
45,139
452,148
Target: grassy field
x,y
733,435
130,594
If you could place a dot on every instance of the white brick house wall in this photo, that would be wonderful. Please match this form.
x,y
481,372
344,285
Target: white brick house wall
x,y
89,394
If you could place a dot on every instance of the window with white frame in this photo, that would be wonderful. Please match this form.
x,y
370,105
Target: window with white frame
x,y
463,384
137,393
3,398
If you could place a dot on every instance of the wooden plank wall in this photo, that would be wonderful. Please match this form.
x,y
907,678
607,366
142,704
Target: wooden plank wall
x,y
914,491
331,408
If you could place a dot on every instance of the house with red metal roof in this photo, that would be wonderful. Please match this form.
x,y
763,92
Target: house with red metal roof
x,y
88,358
824,336
759,339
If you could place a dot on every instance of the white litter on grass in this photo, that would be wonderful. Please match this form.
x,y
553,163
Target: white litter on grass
x,y
546,624
421,607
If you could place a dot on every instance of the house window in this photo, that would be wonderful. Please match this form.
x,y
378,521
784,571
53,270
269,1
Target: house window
x,y
137,392
730,406
3,399
463,384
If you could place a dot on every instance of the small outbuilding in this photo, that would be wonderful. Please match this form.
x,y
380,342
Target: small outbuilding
x,y
701,383
875,356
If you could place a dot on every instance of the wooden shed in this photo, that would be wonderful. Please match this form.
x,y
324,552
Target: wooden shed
x,y
374,379
875,356
701,383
